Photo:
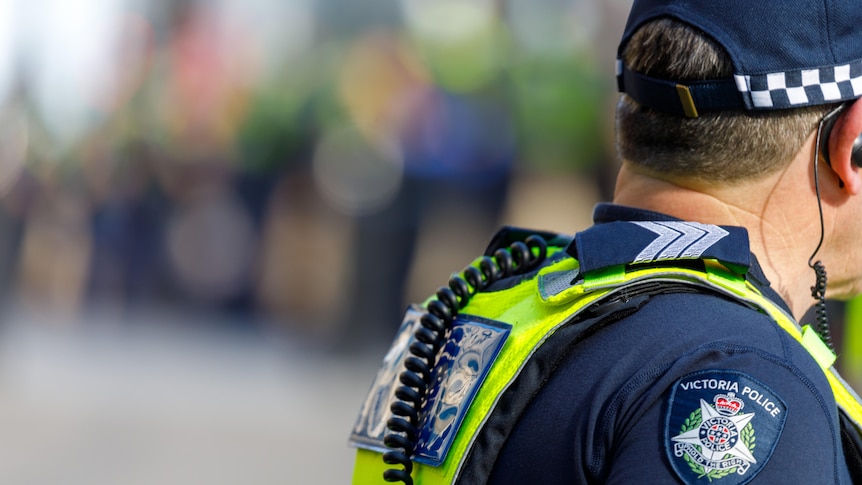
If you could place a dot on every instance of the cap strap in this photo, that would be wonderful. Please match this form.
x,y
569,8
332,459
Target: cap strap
x,y
690,99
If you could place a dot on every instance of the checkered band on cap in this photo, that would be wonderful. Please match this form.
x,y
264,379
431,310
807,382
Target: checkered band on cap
x,y
809,50
802,88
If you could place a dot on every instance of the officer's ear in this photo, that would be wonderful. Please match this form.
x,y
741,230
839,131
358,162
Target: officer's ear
x,y
848,168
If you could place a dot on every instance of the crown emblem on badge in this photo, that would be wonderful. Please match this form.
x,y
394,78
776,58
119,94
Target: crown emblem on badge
x,y
728,404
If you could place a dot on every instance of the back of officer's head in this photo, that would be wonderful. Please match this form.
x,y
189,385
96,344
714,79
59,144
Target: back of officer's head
x,y
787,62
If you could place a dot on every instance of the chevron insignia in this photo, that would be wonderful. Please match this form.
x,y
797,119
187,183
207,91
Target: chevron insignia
x,y
678,240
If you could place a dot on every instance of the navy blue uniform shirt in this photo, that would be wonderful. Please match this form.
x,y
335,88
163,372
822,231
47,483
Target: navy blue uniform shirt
x,y
692,388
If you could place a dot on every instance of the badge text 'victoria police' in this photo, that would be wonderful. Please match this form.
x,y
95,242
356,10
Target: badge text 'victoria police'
x,y
722,426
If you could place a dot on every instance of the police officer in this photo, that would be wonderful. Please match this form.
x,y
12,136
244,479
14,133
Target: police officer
x,y
661,345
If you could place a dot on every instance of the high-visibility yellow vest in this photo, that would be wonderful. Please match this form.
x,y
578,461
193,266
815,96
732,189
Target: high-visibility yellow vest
x,y
540,306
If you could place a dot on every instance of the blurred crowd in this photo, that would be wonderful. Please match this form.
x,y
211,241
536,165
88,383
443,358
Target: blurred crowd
x,y
304,165
265,162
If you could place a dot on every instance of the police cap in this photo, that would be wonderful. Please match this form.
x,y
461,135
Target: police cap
x,y
785,54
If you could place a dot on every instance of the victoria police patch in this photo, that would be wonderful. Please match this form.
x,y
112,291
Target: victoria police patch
x,y
722,426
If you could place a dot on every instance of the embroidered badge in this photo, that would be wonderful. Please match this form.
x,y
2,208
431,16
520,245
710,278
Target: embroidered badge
x,y
723,426
464,362
467,357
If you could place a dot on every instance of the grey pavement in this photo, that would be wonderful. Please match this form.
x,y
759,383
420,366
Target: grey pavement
x,y
165,403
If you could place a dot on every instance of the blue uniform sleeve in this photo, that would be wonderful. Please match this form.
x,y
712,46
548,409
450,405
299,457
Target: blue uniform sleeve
x,y
728,415
745,403
689,389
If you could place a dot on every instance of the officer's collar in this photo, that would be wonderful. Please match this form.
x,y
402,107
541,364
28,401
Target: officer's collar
x,y
621,234
625,235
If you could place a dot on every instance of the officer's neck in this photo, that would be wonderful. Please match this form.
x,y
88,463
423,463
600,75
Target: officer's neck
x,y
778,222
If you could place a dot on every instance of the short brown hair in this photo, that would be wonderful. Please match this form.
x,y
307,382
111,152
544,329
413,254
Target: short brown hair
x,y
716,147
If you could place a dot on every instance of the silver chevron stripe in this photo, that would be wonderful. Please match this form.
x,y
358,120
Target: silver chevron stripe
x,y
678,240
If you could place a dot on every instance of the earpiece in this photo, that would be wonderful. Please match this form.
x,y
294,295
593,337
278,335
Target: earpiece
x,y
828,122
856,152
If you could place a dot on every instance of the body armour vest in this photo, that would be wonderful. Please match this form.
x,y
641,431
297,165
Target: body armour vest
x,y
442,405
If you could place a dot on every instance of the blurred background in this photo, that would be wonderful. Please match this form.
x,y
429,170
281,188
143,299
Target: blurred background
x,y
213,213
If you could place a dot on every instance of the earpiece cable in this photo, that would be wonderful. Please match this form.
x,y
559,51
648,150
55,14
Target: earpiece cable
x,y
818,291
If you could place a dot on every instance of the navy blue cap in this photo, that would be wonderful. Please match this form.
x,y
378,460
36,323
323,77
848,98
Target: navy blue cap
x,y
785,54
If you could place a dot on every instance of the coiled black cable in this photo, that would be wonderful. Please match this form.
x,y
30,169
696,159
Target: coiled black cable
x,y
430,336
818,291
